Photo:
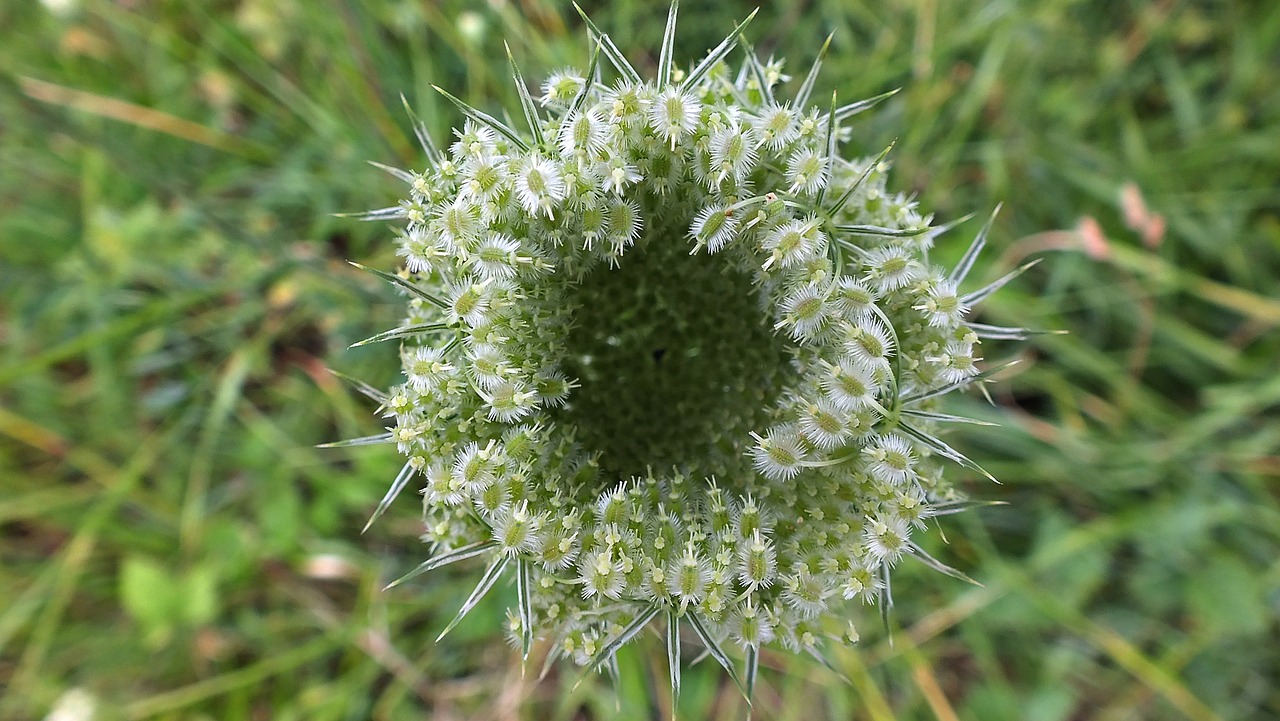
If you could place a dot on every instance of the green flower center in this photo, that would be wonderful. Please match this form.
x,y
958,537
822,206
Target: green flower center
x,y
675,357
897,461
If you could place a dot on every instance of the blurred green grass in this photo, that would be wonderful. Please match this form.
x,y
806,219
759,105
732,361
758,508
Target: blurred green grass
x,y
173,284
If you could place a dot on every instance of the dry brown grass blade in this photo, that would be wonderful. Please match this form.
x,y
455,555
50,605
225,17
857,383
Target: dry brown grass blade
x,y
927,681
139,115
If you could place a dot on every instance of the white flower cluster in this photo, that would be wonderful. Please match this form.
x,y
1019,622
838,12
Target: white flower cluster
x,y
669,353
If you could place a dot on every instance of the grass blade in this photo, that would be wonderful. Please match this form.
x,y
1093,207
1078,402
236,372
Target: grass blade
x,y
751,672
666,55
485,119
142,117
852,109
402,480
404,283
806,88
982,294
444,559
526,101
611,51
962,268
717,53
486,582
401,332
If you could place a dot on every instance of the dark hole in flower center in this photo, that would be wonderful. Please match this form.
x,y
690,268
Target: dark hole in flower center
x,y
676,359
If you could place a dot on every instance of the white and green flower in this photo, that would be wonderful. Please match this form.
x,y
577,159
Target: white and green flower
x,y
668,353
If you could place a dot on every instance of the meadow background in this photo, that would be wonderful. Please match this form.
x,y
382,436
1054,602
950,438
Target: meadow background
x,y
173,285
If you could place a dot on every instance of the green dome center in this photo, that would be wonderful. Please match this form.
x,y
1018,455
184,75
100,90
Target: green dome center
x,y
675,357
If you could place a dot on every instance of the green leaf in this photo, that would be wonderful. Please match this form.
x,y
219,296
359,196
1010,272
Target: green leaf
x,y
1228,597
806,88
962,268
666,55
752,671
445,559
397,485
486,582
485,119
403,283
611,51
852,109
200,596
401,332
717,54
526,101
151,596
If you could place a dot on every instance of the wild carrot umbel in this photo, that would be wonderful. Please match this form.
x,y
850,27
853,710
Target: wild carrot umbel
x,y
669,354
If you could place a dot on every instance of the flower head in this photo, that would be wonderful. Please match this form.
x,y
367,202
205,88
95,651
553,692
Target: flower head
x,y
667,355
